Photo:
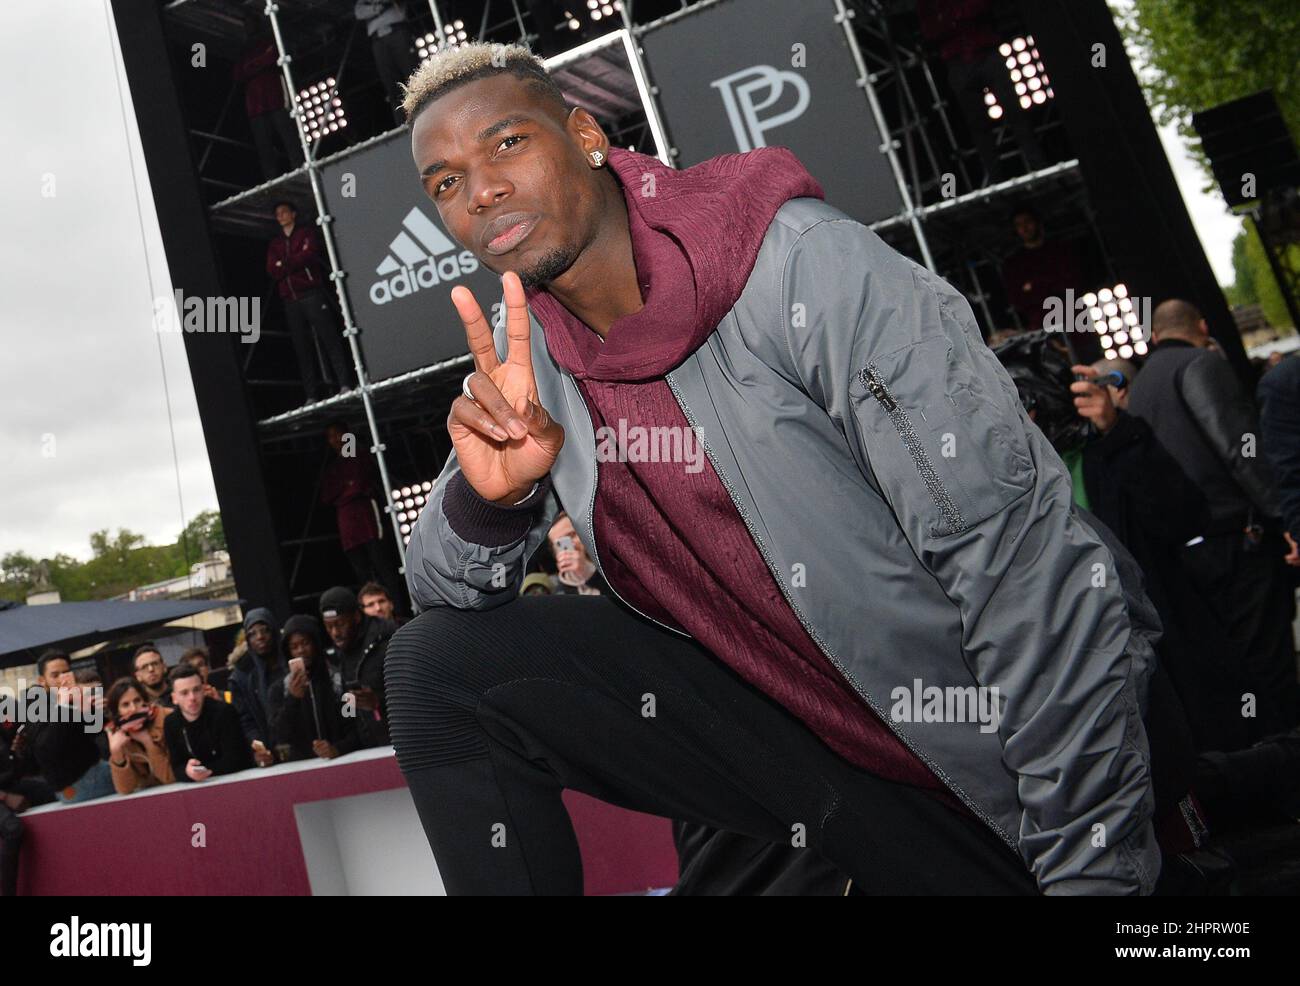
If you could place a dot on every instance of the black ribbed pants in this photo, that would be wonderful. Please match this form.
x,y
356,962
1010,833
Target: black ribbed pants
x,y
494,713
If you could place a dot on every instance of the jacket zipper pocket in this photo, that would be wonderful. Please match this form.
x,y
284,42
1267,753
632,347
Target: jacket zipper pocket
x,y
870,378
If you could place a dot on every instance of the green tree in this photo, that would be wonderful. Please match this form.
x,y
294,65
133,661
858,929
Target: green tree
x,y
202,535
1242,290
1195,54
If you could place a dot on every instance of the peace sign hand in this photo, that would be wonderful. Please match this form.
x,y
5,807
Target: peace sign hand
x,y
504,439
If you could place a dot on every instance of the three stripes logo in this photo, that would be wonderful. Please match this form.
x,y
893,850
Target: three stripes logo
x,y
420,256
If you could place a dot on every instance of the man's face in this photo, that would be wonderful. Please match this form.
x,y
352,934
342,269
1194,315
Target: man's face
x,y
58,673
259,639
1027,228
493,150
284,215
130,703
342,628
377,604
201,666
301,645
149,668
334,438
564,528
187,694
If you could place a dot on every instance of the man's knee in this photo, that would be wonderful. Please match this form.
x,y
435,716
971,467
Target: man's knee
x,y
435,670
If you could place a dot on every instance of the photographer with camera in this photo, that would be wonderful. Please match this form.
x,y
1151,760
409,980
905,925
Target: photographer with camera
x,y
137,749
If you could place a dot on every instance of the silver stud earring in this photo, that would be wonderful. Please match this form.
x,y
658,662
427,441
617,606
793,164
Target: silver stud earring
x,y
597,157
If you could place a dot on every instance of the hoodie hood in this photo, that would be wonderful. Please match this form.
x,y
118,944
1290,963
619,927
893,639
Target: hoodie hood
x,y
259,614
303,624
694,243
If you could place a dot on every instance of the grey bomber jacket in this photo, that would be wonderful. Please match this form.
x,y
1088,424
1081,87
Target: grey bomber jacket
x,y
874,446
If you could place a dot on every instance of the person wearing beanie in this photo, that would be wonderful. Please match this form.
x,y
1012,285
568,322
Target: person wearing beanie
x,y
250,681
356,660
307,715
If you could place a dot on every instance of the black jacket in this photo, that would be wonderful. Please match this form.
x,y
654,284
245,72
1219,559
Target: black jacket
x,y
215,739
1279,420
1201,414
250,681
319,715
62,751
364,662
1141,494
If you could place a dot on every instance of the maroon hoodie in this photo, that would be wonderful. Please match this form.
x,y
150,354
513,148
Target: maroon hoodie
x,y
672,542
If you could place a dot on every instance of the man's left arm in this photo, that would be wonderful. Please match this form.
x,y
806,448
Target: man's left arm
x,y
1279,422
895,356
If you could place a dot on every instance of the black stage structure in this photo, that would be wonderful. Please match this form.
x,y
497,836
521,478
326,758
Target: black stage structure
x,y
849,85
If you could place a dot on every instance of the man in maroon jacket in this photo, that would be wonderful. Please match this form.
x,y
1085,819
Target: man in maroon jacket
x,y
293,259
264,102
349,487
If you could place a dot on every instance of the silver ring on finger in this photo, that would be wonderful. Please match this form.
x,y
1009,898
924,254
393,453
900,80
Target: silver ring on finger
x,y
464,385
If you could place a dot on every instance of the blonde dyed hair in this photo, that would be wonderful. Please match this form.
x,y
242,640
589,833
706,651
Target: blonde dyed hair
x,y
454,67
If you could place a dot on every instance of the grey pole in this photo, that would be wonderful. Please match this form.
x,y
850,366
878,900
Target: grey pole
x,y
887,146
337,274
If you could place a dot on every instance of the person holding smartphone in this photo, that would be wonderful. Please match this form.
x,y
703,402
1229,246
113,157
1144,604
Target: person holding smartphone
x,y
137,748
576,573
306,713
206,738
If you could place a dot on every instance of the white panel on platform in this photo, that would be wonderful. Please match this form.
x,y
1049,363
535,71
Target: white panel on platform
x,y
367,845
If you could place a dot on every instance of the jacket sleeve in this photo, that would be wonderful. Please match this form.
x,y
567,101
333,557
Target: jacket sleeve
x,y
274,265
305,253
125,780
234,753
241,690
893,353
1163,500
1279,423
467,552
179,755
1223,412
160,764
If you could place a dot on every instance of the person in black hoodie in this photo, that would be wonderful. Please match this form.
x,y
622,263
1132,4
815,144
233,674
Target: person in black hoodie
x,y
250,682
65,747
203,735
306,713
356,661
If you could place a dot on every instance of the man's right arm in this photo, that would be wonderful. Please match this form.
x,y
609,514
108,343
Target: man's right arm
x,y
469,553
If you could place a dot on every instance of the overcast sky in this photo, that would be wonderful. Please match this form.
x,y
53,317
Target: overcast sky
x,y
81,375
85,442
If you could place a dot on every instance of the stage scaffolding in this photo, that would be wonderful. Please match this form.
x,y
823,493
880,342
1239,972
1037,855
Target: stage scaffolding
x,y
610,77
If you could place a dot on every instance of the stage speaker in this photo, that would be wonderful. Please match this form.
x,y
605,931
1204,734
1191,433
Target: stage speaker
x,y
1248,136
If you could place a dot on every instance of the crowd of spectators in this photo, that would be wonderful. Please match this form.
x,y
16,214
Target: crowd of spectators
x,y
309,686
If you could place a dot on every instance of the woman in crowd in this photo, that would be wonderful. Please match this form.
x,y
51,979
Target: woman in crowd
x,y
137,753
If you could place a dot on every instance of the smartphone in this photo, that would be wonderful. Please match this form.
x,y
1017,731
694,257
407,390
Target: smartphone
x,y
297,664
130,720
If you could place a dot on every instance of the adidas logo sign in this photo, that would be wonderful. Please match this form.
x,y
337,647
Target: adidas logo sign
x,y
420,257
